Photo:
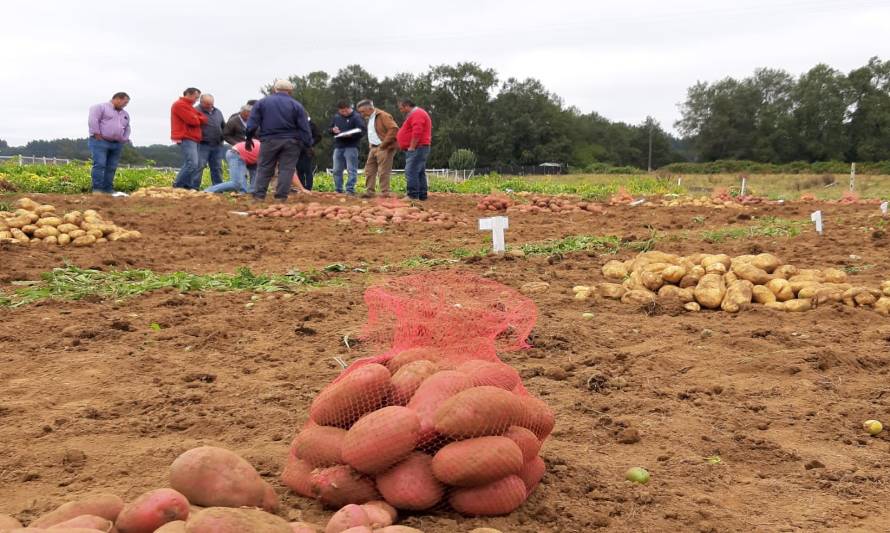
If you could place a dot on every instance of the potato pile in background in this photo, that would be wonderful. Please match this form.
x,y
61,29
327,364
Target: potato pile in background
x,y
377,214
34,223
171,193
706,281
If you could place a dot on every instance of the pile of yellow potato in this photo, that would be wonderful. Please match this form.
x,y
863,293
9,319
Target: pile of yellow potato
x,y
172,193
706,281
34,223
699,201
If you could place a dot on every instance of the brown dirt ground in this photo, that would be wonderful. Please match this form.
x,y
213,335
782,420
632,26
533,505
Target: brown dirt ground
x,y
92,399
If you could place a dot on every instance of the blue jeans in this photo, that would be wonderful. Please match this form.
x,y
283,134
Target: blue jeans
x,y
237,175
210,154
345,158
106,155
415,172
190,167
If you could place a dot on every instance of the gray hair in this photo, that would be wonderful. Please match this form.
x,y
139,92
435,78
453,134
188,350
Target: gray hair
x,y
367,102
283,85
206,96
246,107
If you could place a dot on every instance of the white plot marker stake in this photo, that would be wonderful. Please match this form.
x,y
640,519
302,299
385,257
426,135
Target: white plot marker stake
x,y
816,217
744,186
496,225
884,208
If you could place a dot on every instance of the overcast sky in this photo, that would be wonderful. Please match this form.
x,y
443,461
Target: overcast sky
x,y
624,60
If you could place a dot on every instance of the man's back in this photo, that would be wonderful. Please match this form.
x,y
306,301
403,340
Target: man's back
x,y
278,116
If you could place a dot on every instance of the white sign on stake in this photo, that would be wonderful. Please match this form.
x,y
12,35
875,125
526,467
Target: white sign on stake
x,y
816,217
744,186
884,208
496,225
679,181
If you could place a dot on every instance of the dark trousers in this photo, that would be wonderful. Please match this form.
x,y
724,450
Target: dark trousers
x,y
305,166
282,152
415,172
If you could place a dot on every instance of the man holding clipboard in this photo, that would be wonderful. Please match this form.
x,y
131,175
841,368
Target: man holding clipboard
x,y
348,128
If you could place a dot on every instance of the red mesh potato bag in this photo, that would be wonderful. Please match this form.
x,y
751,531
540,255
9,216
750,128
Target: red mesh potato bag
x,y
437,419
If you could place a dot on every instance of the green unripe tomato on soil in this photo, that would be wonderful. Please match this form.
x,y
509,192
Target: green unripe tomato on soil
x,y
872,427
638,475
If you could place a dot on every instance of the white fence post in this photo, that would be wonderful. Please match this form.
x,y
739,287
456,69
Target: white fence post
x,y
852,176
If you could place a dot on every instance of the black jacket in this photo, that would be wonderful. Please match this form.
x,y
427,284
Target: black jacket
x,y
234,131
345,124
212,130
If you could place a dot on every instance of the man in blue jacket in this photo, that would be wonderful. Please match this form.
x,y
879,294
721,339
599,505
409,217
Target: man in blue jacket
x,y
348,127
283,127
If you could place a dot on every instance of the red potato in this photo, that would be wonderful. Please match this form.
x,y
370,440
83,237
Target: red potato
x,y
216,477
177,526
475,462
319,445
537,416
151,511
411,484
297,476
532,473
52,530
397,529
229,520
86,522
362,391
432,392
526,440
108,506
381,439
490,373
305,527
8,522
359,529
337,486
477,412
380,514
348,516
411,355
501,497
408,378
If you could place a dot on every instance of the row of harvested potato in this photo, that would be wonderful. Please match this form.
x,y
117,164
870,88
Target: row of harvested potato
x,y
35,223
719,281
172,193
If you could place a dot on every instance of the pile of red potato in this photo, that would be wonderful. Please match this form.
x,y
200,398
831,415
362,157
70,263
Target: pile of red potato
x,y
373,214
422,431
212,490
34,223
538,204
706,281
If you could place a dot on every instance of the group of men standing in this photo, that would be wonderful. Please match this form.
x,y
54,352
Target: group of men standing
x,y
274,134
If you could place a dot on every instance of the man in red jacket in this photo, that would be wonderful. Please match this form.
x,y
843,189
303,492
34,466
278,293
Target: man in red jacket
x,y
185,130
415,137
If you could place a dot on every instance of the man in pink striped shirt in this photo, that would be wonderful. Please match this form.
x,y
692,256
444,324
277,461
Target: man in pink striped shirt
x,y
109,130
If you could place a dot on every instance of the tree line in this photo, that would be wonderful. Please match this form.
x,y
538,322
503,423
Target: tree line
x,y
769,117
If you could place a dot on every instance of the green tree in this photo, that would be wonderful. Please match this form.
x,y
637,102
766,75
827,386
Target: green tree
x,y
822,97
869,116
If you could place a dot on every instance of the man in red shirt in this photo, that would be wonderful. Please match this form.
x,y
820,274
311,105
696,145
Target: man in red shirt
x,y
185,130
414,138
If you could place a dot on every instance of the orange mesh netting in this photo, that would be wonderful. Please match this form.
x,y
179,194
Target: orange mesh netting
x,y
437,419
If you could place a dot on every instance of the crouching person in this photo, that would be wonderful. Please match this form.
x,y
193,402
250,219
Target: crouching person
x,y
241,163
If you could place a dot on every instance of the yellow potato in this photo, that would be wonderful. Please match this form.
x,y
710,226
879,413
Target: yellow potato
x,y
638,297
45,208
27,203
885,288
737,295
651,280
723,259
786,271
86,240
66,228
18,221
798,305
809,291
74,217
883,305
710,291
834,275
76,233
762,295
673,274
799,284
778,306
614,271
692,307
716,268
52,239
766,262
748,271
30,229
64,239
49,221
729,278
612,291
96,233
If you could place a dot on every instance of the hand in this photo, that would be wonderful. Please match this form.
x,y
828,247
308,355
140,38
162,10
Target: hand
x,y
336,130
98,137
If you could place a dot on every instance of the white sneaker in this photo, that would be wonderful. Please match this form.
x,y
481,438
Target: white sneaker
x,y
119,194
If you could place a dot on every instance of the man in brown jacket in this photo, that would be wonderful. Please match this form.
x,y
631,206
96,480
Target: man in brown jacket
x,y
382,129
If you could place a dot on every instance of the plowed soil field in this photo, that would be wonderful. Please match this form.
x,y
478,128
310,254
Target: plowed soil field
x,y
747,422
